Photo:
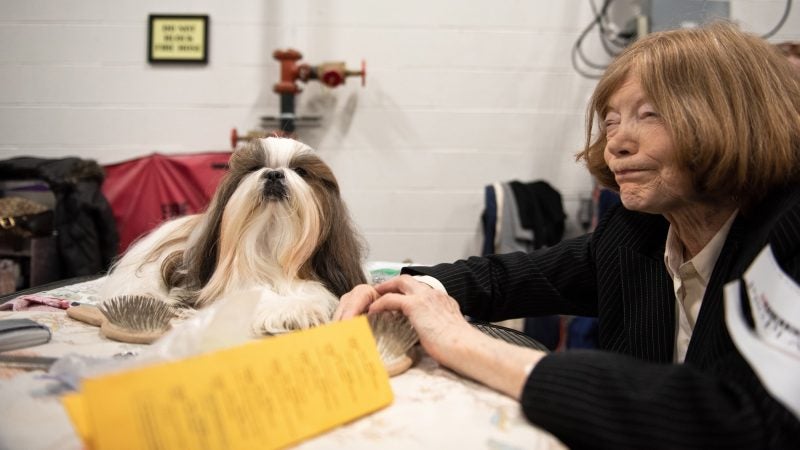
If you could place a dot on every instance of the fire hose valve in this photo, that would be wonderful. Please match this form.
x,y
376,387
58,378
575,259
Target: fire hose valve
x,y
331,74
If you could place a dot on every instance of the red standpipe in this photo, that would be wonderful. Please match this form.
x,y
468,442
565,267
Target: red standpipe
x,y
331,74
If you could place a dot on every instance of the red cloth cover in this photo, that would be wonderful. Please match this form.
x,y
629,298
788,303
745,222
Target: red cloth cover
x,y
147,191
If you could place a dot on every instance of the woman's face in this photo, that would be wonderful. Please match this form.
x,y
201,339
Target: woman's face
x,y
640,153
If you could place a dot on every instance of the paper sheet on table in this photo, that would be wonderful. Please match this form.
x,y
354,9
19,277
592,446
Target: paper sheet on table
x,y
772,349
264,394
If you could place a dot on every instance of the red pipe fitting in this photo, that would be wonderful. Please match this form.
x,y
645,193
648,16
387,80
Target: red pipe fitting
x,y
331,74
289,71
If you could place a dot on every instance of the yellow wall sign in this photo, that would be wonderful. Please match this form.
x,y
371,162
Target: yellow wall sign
x,y
177,38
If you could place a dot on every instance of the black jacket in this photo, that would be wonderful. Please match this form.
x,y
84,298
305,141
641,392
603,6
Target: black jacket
x,y
85,229
629,394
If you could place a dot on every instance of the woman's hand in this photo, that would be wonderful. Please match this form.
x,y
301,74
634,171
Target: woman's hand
x,y
434,315
444,333
355,302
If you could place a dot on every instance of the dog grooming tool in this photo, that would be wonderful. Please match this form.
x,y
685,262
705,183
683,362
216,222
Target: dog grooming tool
x,y
395,338
86,314
134,319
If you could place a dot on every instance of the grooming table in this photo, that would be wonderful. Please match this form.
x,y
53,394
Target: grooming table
x,y
433,406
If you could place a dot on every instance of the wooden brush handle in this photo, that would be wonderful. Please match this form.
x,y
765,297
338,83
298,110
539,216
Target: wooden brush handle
x,y
403,363
87,314
399,366
93,316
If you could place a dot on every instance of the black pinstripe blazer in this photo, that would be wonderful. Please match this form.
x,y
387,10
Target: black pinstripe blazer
x,y
629,394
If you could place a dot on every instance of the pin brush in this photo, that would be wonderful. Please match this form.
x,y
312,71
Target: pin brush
x,y
135,319
395,338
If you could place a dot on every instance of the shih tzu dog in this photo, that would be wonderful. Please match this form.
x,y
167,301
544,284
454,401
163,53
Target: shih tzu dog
x,y
277,224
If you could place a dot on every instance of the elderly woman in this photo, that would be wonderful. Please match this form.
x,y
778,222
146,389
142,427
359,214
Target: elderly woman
x,y
699,132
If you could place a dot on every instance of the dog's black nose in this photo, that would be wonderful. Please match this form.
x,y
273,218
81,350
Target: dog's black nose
x,y
274,185
273,175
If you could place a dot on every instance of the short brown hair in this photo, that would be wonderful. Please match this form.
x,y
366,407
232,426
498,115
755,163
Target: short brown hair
x,y
731,103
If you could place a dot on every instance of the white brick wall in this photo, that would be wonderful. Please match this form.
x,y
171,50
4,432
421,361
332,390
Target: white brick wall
x,y
459,94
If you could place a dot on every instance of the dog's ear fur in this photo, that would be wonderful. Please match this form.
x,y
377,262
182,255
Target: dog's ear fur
x,y
201,259
175,278
338,260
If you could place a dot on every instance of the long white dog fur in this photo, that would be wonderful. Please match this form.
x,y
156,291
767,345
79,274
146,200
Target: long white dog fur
x,y
277,224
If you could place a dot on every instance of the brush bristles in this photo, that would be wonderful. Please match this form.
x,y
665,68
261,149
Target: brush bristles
x,y
137,313
394,335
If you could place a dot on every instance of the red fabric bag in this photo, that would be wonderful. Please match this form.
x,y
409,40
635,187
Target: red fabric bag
x,y
145,192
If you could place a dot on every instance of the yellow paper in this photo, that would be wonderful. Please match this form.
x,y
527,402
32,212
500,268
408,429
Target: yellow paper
x,y
265,394
76,409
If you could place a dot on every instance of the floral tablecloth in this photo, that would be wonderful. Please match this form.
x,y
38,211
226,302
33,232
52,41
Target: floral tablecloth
x,y
433,407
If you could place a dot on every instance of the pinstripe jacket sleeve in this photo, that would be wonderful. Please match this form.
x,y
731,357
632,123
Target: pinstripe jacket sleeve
x,y
628,394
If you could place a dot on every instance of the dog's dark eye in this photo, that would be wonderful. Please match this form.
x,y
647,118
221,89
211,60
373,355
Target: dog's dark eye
x,y
300,171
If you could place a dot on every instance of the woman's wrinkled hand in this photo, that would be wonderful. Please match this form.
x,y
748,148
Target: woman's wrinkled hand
x,y
355,302
434,315
444,333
